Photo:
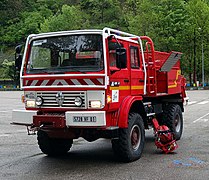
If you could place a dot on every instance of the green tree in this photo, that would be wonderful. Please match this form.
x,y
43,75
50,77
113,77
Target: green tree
x,y
197,33
104,13
8,69
141,16
70,18
170,23
29,23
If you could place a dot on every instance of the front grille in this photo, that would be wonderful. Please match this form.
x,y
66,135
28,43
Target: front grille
x,y
49,99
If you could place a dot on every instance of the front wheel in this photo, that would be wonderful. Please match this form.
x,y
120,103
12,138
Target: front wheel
x,y
131,140
53,146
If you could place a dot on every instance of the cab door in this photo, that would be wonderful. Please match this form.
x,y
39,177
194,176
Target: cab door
x,y
137,74
119,78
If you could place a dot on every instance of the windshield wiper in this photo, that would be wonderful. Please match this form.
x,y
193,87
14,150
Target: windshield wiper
x,y
72,68
75,69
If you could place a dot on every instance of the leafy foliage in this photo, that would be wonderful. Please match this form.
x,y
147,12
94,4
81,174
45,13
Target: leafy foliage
x,y
70,18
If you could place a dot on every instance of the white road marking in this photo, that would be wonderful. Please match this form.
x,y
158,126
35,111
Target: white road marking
x,y
16,132
200,118
205,120
4,111
191,102
203,102
4,135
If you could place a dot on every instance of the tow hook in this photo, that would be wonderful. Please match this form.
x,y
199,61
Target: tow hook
x,y
164,138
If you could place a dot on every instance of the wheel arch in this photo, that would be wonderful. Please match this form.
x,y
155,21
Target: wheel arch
x,y
130,104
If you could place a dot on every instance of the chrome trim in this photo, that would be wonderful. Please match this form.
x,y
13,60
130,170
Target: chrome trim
x,y
68,99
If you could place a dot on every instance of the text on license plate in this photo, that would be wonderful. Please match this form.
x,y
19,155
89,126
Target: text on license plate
x,y
84,119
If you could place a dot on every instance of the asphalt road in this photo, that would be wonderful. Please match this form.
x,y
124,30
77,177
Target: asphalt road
x,y
20,157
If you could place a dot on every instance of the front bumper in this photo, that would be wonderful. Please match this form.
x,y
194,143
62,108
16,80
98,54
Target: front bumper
x,y
23,116
71,119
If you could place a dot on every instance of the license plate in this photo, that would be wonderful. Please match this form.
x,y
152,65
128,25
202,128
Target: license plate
x,y
84,119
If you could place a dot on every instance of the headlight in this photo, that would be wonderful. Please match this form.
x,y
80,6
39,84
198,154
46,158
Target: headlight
x,y
30,99
78,101
95,99
30,103
39,101
95,104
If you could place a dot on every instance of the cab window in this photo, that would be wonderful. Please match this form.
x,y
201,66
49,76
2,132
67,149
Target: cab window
x,y
134,55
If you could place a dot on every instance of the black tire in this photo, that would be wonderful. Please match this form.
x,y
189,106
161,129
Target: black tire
x,y
53,146
172,117
131,140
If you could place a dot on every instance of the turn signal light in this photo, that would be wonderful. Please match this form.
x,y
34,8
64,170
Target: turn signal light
x,y
23,98
109,99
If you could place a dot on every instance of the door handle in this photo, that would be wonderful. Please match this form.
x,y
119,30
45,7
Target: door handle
x,y
126,80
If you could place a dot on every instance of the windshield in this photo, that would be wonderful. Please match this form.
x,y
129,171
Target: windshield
x,y
80,53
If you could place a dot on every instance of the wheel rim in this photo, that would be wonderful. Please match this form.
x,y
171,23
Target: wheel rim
x,y
135,136
177,123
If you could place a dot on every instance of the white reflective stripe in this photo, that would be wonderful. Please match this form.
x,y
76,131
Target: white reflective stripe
x,y
62,81
55,82
34,83
88,81
62,75
75,81
44,82
67,86
100,80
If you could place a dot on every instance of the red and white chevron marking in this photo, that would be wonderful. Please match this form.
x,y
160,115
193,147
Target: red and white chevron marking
x,y
65,82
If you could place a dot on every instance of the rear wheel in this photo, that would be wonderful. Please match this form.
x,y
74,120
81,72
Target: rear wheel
x,y
130,144
53,146
172,117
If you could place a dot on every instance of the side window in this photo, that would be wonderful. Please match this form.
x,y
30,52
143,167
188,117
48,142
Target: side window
x,y
112,57
134,53
112,46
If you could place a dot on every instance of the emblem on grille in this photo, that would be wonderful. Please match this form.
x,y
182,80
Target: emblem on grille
x,y
59,98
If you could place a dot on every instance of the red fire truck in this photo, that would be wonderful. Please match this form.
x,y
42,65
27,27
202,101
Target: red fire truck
x,y
100,84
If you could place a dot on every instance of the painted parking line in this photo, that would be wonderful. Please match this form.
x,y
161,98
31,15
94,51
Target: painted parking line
x,y
4,135
200,103
201,118
203,102
4,111
191,102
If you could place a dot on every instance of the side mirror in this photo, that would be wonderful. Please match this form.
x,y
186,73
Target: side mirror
x,y
121,58
18,57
